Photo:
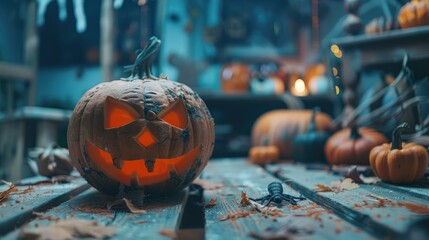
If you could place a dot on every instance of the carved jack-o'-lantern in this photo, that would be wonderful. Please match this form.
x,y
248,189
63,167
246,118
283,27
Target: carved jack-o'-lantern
x,y
141,133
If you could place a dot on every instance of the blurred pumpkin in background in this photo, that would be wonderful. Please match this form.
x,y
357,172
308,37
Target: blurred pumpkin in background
x,y
352,145
414,14
235,77
280,127
142,133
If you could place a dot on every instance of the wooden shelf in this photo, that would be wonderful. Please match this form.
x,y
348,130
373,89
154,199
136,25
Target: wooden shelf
x,y
17,72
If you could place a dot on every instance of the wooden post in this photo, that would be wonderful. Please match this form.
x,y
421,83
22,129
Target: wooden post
x,y
31,48
107,39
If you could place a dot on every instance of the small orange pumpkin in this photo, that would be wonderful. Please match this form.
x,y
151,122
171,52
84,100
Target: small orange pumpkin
x,y
399,162
352,145
263,154
142,133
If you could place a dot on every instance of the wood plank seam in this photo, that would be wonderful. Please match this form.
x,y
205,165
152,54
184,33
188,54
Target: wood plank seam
x,y
354,217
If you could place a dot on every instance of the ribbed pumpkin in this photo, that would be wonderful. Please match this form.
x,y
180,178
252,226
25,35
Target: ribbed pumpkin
x,y
399,162
414,14
263,154
141,133
279,128
352,145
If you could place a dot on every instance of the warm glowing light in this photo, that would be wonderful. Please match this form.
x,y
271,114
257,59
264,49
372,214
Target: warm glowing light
x,y
337,90
335,71
338,54
335,48
300,85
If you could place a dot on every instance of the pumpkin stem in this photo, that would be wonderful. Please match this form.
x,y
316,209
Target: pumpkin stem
x,y
312,124
142,67
396,135
354,134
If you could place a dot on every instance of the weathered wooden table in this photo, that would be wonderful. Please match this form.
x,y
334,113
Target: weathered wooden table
x,y
370,211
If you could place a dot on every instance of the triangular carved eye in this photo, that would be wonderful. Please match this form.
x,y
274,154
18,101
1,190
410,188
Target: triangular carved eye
x,y
175,115
118,113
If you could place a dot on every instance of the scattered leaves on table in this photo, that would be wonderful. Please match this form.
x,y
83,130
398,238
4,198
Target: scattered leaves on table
x,y
4,195
381,202
244,199
337,186
68,229
167,233
234,215
207,185
212,202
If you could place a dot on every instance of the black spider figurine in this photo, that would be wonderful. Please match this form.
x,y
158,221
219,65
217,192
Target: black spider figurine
x,y
276,194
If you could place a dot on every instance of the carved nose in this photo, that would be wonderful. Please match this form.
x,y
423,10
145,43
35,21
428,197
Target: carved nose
x,y
146,138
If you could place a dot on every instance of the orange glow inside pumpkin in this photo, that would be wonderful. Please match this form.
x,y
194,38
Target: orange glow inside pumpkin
x,y
118,114
136,169
146,138
176,115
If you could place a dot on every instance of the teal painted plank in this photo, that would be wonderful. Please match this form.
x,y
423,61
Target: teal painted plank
x,y
380,221
236,176
162,213
19,208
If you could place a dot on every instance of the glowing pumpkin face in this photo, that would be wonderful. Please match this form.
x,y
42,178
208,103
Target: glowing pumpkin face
x,y
150,134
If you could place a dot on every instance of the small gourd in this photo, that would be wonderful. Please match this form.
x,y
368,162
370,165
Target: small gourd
x,y
399,162
54,161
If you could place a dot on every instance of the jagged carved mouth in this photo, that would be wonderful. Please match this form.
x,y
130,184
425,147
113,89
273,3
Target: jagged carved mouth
x,y
135,172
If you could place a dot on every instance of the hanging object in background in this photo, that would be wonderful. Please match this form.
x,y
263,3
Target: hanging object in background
x,y
235,78
380,24
352,24
414,14
280,127
143,133
53,161
309,147
399,162
352,145
78,9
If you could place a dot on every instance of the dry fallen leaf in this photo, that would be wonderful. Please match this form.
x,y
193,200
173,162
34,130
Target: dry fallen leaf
x,y
244,200
208,185
322,188
5,194
133,208
168,233
337,186
346,184
68,229
211,203
234,215
130,206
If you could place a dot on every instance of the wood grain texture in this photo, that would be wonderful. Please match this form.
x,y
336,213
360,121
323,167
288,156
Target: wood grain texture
x,y
236,176
28,199
162,213
382,221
